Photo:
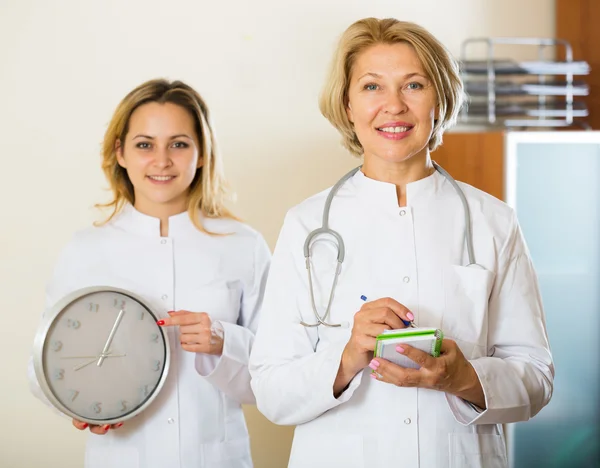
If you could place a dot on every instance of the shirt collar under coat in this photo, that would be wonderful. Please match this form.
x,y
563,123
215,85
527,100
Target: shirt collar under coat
x,y
383,194
131,220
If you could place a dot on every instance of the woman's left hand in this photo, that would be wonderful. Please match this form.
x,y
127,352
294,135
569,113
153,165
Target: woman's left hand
x,y
449,373
195,332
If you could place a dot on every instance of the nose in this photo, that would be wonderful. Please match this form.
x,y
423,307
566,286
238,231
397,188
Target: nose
x,y
395,103
162,159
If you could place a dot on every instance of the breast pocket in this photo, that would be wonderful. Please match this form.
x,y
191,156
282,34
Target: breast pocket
x,y
220,301
465,319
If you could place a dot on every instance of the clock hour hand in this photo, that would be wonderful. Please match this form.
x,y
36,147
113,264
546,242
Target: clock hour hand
x,y
110,337
81,366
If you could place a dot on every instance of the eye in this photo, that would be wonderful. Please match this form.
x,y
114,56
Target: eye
x,y
371,87
414,85
180,144
143,145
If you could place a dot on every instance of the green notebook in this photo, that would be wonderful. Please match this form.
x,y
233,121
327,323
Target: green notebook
x,y
425,339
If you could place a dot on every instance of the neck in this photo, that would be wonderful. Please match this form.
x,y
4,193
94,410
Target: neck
x,y
398,173
161,211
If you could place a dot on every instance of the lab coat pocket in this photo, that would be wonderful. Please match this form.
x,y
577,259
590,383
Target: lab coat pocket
x,y
327,451
477,451
466,293
221,301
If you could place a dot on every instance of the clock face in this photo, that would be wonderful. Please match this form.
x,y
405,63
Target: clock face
x,y
103,357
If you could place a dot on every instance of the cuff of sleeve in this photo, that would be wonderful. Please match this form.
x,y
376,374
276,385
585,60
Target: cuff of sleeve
x,y
465,412
331,366
237,343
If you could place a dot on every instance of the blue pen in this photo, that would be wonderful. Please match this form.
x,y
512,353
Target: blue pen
x,y
405,322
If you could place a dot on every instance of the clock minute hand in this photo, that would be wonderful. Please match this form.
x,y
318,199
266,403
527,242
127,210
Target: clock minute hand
x,y
110,337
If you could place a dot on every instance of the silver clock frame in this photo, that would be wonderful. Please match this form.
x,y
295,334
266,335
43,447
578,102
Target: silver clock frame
x,y
40,341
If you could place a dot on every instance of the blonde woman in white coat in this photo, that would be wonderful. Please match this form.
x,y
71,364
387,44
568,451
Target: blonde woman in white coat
x,y
392,91
170,240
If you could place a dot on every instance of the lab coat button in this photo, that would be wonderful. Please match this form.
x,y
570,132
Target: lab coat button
x,y
170,420
406,279
402,212
164,297
164,241
407,421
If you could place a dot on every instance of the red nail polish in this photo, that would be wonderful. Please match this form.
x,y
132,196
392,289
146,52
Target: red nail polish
x,y
85,425
160,322
107,427
119,425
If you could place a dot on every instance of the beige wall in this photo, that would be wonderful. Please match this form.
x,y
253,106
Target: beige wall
x,y
63,67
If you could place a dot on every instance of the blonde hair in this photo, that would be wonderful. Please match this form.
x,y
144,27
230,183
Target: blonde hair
x,y
437,63
207,192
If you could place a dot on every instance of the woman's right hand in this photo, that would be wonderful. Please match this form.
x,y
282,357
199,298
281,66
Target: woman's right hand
x,y
369,322
100,430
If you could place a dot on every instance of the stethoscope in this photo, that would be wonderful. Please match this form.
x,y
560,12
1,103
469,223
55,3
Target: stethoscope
x,y
341,250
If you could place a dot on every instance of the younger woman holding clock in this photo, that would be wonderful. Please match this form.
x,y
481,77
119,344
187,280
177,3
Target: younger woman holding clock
x,y
170,240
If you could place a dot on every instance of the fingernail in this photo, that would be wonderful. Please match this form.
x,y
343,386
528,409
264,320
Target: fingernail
x,y
374,375
119,425
373,364
400,349
85,425
160,322
171,312
410,316
107,427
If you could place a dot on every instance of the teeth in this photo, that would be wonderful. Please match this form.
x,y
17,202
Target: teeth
x,y
161,178
394,129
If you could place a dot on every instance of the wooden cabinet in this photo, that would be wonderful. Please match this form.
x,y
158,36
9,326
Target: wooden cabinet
x,y
474,158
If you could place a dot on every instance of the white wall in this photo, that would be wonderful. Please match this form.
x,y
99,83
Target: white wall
x,y
64,65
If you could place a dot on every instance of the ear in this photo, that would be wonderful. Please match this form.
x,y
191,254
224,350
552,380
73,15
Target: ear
x,y
119,152
349,113
200,162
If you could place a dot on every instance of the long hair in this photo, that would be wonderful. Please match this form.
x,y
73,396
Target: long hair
x,y
208,190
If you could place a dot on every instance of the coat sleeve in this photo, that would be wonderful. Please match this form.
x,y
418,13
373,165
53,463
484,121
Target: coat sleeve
x,y
229,372
58,286
292,381
518,373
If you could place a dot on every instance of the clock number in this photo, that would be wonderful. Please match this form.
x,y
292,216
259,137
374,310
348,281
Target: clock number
x,y
94,307
59,374
97,408
74,324
56,345
156,365
144,390
73,394
154,337
142,315
119,303
123,405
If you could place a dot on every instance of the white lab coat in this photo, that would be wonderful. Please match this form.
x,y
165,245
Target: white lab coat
x,y
416,255
196,420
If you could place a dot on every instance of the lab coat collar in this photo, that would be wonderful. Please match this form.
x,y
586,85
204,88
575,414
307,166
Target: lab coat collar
x,y
384,193
131,220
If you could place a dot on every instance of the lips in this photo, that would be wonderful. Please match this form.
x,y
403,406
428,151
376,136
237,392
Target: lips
x,y
394,130
158,178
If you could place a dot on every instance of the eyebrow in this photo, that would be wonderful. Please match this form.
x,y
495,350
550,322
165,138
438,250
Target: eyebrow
x,y
406,77
181,135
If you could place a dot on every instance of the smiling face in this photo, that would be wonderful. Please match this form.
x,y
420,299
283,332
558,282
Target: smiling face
x,y
391,103
161,156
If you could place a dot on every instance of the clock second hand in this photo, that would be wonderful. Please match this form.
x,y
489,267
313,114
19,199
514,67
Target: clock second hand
x,y
93,357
